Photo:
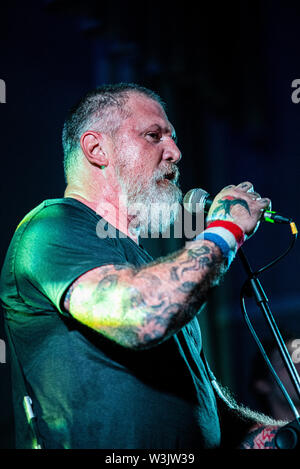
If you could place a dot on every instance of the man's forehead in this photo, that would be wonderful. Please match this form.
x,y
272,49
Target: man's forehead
x,y
147,111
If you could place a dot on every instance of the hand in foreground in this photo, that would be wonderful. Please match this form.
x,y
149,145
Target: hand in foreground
x,y
240,205
261,437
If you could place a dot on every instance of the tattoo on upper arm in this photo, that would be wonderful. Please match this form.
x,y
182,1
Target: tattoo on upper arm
x,y
107,282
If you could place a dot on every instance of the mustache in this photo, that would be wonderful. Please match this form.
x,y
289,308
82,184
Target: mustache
x,y
170,172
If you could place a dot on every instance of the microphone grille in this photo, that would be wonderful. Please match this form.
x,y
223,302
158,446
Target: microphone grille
x,y
194,200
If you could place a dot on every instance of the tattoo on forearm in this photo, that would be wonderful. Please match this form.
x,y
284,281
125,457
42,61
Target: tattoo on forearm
x,y
225,205
145,305
187,287
173,274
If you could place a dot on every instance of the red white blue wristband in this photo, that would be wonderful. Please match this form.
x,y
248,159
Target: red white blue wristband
x,y
234,229
226,235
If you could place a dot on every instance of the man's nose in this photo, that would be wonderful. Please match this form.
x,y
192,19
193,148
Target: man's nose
x,y
171,151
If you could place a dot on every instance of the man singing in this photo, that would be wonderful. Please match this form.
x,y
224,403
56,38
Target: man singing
x,y
107,339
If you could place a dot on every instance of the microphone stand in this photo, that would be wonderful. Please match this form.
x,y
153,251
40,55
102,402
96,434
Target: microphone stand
x,y
288,436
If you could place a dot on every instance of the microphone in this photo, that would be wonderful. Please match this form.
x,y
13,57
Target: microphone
x,y
198,200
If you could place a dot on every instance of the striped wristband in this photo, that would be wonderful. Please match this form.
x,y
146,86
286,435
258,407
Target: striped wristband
x,y
234,229
226,235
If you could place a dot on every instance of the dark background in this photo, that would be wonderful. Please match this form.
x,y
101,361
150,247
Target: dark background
x,y
225,70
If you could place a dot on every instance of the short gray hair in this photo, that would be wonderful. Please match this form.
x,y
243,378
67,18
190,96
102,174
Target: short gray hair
x,y
101,109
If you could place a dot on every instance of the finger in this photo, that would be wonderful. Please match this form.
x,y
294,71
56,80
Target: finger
x,y
228,187
245,186
265,203
255,195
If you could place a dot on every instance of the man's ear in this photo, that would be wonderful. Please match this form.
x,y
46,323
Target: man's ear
x,y
93,146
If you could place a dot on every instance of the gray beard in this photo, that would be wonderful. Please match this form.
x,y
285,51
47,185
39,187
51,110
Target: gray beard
x,y
153,206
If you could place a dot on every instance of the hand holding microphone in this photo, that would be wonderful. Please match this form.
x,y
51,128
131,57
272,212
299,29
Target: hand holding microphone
x,y
236,209
198,200
239,205
233,215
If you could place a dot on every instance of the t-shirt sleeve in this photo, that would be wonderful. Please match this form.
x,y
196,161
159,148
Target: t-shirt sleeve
x,y
57,246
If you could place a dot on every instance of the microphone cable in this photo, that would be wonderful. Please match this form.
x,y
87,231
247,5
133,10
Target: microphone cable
x,y
266,358
294,232
293,408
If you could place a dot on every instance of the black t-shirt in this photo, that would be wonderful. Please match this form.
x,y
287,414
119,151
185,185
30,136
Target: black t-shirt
x,y
87,391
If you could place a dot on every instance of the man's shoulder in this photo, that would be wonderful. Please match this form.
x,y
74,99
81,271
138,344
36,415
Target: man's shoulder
x,y
51,212
54,222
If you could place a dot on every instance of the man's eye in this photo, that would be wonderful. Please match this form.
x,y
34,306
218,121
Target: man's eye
x,y
154,135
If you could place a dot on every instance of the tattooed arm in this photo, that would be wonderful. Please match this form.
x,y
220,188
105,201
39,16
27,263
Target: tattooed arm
x,y
140,307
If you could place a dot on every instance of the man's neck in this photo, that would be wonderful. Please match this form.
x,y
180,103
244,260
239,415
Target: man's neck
x,y
112,212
